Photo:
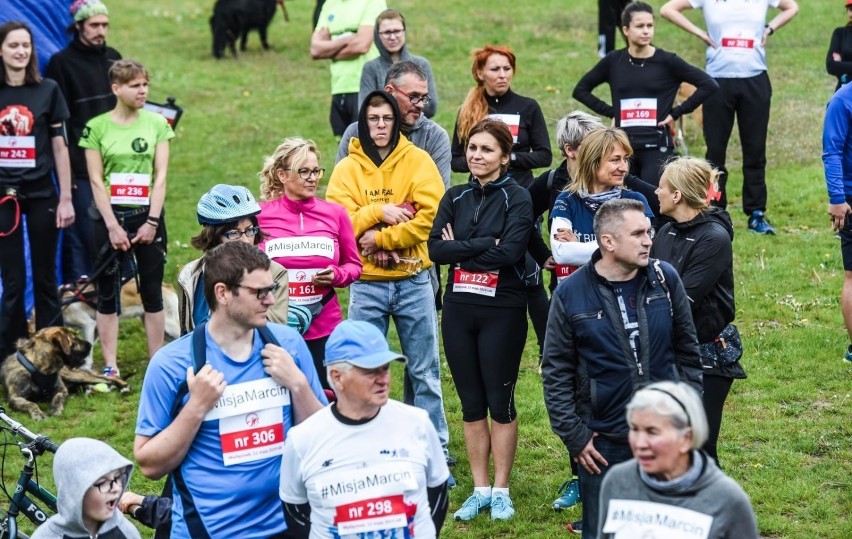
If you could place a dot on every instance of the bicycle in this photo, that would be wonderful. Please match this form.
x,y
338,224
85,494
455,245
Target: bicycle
x,y
32,446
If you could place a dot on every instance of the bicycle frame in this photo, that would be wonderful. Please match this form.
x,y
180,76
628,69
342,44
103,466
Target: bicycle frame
x,y
21,503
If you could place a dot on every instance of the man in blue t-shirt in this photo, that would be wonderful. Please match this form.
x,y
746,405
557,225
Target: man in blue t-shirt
x,y
220,431
619,322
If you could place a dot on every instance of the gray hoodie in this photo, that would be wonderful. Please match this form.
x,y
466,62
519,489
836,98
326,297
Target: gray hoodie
x,y
375,71
79,462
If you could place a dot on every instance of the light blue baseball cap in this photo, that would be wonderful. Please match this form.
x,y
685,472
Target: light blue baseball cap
x,y
359,343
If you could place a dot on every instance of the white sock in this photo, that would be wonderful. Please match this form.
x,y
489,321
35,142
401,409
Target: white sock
x,y
503,491
482,491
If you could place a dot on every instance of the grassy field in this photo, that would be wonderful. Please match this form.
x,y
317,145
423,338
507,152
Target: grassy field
x,y
786,437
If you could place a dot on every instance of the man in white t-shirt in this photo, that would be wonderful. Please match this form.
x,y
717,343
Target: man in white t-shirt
x,y
366,466
736,35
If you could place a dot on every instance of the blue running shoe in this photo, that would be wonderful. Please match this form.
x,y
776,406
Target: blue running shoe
x,y
472,507
849,353
451,481
758,224
501,507
569,495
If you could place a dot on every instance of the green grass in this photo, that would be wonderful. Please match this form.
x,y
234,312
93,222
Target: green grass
x,y
786,435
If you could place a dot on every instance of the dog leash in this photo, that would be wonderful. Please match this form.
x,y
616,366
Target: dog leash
x,y
46,383
14,198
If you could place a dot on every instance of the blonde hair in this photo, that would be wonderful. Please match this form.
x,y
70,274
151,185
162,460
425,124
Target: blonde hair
x,y
475,107
692,176
597,146
290,154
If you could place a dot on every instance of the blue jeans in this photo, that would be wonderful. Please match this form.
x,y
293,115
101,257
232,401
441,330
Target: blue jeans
x,y
411,303
590,484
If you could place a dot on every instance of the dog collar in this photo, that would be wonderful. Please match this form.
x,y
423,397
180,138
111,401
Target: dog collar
x,y
46,383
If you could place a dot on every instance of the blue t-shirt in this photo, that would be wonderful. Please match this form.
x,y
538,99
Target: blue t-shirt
x,y
239,499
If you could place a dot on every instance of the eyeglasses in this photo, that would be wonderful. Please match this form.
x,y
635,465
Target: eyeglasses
x,y
415,99
375,120
392,33
107,485
236,234
306,173
261,293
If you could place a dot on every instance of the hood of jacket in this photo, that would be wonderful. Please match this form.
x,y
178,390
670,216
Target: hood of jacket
x,y
711,215
384,54
367,144
78,464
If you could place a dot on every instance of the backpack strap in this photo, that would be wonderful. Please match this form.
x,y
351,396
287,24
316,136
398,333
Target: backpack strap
x,y
550,176
661,278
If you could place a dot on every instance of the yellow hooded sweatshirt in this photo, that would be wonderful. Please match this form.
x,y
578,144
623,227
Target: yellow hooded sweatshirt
x,y
408,174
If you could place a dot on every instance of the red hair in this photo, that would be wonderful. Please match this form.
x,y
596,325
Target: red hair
x,y
475,107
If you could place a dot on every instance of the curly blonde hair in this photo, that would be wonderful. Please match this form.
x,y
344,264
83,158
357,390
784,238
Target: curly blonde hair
x,y
290,154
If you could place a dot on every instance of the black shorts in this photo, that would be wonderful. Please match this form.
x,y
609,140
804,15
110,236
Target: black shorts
x,y
846,243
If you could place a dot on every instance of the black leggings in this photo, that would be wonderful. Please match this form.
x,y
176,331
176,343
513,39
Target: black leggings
x,y
716,390
317,349
43,236
538,306
483,346
150,265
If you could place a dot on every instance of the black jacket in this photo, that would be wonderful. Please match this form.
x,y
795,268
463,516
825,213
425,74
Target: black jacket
x,y
82,75
588,366
480,215
701,252
532,150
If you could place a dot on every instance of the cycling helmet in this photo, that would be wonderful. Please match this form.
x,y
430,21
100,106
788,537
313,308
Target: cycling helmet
x,y
226,204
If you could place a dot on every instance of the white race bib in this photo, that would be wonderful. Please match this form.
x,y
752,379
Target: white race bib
x,y
512,120
240,399
252,436
129,188
384,514
300,246
629,519
483,283
738,40
639,112
563,271
17,152
302,290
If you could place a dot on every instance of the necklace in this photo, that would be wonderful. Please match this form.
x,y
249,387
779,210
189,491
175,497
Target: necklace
x,y
630,59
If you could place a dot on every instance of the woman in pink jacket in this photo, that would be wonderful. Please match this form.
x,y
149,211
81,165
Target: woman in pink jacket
x,y
310,237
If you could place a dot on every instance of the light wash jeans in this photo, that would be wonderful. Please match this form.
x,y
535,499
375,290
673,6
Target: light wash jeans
x,y
411,303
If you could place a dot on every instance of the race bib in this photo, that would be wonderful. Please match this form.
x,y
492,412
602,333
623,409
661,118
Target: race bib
x,y
738,39
300,246
384,514
512,120
252,436
563,271
129,189
302,290
483,283
628,519
639,112
17,152
241,399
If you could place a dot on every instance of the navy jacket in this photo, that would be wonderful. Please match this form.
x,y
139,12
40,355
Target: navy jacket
x,y
588,367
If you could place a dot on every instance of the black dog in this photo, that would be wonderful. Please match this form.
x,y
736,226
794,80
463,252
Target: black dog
x,y
235,18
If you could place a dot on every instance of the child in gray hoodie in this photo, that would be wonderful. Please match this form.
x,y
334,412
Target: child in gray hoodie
x,y
90,477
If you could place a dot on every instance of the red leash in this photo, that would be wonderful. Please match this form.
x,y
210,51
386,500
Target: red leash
x,y
14,200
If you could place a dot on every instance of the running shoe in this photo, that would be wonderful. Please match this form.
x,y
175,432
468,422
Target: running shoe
x,y
501,507
849,353
472,507
110,372
569,495
451,481
758,224
575,527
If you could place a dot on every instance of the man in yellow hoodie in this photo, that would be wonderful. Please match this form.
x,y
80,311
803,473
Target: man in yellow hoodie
x,y
391,190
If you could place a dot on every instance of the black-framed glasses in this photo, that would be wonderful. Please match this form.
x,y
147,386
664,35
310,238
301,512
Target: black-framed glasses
x,y
261,293
392,33
415,99
236,233
107,485
375,120
306,173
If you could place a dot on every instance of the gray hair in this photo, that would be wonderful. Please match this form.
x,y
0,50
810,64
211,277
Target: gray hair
x,y
676,401
573,128
340,366
610,215
401,69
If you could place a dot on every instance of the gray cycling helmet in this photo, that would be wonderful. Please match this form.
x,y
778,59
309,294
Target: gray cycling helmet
x,y
226,204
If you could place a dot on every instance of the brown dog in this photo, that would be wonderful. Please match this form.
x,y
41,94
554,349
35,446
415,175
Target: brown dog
x,y
33,372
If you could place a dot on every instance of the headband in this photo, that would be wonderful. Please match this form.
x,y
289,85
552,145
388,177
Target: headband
x,y
677,400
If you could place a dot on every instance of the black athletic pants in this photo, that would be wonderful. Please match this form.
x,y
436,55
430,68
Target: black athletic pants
x,y
716,390
747,100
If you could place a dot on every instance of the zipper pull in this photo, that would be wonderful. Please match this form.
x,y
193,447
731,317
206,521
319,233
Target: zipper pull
x,y
600,315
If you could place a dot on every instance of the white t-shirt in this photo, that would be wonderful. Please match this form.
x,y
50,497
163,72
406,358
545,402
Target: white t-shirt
x,y
737,27
365,480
